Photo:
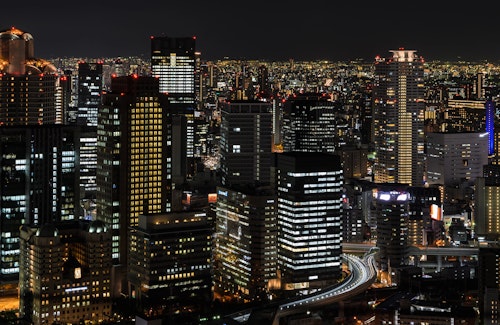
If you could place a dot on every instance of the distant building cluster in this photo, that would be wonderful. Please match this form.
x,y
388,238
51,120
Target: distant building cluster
x,y
182,186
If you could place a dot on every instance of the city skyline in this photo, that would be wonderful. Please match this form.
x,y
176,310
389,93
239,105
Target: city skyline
x,y
267,31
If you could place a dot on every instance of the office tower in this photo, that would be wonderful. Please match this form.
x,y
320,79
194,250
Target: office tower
x,y
488,278
90,85
456,158
246,142
170,262
174,63
134,157
22,76
398,118
423,201
65,274
479,85
309,216
392,210
464,116
490,125
245,241
487,202
36,156
38,184
310,124
354,161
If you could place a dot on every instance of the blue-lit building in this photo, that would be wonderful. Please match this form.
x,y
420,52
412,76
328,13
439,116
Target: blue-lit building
x,y
490,125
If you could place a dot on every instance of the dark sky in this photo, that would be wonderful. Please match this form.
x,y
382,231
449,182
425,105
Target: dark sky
x,y
273,30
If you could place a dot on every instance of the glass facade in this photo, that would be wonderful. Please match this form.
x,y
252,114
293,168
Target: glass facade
x,y
309,219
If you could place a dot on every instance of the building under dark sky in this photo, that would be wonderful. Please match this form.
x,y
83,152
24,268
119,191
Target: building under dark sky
x,y
260,29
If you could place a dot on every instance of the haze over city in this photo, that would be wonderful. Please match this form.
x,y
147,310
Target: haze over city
x,y
267,30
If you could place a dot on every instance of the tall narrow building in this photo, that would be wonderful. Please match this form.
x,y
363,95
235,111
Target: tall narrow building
x,y
90,85
398,118
134,157
174,63
309,215
37,153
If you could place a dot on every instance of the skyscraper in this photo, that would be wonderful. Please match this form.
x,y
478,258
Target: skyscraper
x,y
245,241
134,157
246,142
310,124
309,217
90,85
392,210
490,125
398,118
174,63
37,157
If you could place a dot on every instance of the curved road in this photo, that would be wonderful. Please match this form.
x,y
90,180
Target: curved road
x,y
363,274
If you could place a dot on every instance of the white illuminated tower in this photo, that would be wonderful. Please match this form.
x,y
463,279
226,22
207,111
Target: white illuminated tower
x,y
174,63
398,118
309,219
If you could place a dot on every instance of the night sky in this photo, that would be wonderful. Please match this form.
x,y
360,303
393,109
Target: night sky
x,y
269,30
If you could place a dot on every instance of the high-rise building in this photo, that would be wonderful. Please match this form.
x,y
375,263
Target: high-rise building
x,y
246,142
487,201
22,76
245,241
488,278
65,274
174,63
490,110
90,85
398,118
310,124
37,157
134,157
392,210
309,213
171,262
455,158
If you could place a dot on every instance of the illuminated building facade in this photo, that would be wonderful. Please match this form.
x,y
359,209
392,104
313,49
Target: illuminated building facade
x,y
453,158
38,184
134,157
245,142
490,125
487,201
489,278
174,62
309,214
392,210
310,124
398,118
65,274
245,241
464,116
22,76
422,202
170,261
90,84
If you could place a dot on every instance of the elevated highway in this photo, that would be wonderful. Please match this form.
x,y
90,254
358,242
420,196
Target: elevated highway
x,y
363,272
